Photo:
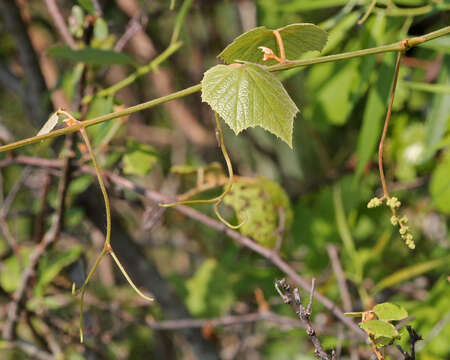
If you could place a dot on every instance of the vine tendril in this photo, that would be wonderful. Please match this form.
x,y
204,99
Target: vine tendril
x,y
218,199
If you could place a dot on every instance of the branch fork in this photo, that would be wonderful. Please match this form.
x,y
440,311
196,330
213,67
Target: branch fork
x,y
292,297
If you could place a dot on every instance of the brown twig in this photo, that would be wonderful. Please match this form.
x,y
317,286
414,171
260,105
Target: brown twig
x,y
291,296
136,24
228,320
31,350
386,125
40,218
343,290
414,337
60,24
274,258
340,276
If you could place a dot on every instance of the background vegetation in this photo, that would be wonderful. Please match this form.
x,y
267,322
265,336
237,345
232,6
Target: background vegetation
x,y
220,293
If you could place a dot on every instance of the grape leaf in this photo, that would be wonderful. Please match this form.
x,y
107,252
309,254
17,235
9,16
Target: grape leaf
x,y
90,56
379,328
389,312
297,39
257,205
248,96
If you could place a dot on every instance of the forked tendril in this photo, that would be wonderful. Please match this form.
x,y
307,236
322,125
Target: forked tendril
x,y
218,199
70,121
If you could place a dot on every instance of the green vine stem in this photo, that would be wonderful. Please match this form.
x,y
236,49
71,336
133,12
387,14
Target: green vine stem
x,y
142,70
71,121
368,12
398,46
218,199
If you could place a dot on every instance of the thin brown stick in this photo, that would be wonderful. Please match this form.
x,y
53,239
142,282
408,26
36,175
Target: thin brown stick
x,y
274,258
386,125
291,296
228,320
31,350
340,276
60,24
136,24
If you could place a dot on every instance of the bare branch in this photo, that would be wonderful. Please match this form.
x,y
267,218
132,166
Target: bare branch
x,y
60,24
31,350
291,296
136,24
228,320
414,337
275,259
340,276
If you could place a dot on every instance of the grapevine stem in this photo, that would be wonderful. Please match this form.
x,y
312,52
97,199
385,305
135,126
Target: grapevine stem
x,y
386,125
398,46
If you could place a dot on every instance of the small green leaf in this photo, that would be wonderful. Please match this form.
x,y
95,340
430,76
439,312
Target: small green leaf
x,y
257,205
379,329
248,96
90,56
51,265
390,312
12,270
139,158
100,29
297,39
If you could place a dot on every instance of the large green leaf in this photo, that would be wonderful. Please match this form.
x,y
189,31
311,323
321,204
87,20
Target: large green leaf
x,y
90,55
257,205
297,39
248,96
379,328
389,312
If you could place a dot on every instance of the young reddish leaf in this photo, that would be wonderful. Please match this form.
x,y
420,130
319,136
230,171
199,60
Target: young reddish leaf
x,y
297,39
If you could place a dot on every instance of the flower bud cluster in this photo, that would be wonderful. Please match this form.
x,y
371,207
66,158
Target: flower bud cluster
x,y
374,202
394,204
